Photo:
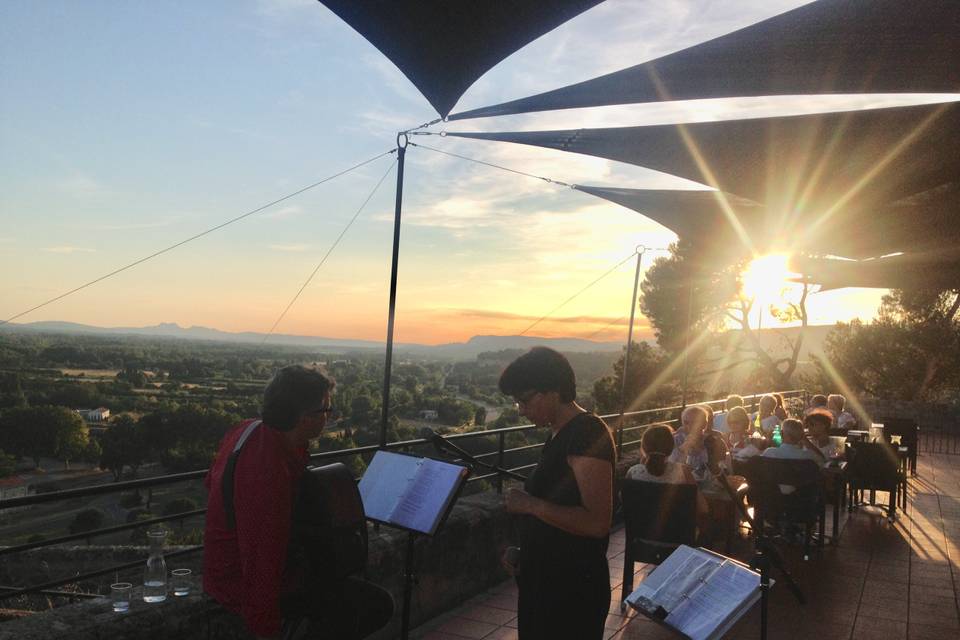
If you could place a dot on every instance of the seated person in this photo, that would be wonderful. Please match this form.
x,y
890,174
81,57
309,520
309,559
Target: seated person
x,y
781,410
742,446
795,446
656,445
720,421
818,401
841,419
818,423
765,420
688,441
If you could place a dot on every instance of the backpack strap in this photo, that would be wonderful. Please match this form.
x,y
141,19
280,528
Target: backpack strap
x,y
229,473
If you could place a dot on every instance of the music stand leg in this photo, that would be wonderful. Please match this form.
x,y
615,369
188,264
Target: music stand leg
x,y
760,562
409,578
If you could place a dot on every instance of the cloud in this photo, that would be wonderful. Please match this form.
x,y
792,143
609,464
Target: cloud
x,y
133,226
68,249
504,315
291,248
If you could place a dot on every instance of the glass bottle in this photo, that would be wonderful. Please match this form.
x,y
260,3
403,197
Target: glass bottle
x,y
155,573
777,437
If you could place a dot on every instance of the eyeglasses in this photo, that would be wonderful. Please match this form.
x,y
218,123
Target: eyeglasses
x,y
524,399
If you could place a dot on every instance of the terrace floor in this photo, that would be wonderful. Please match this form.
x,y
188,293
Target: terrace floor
x,y
880,581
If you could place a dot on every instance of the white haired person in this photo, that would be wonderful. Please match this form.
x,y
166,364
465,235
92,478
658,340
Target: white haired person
x,y
841,419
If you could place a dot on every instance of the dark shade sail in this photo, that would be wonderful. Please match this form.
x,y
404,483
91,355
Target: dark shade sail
x,y
936,270
807,166
830,46
925,222
444,46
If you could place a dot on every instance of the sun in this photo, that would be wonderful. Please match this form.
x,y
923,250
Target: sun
x,y
765,278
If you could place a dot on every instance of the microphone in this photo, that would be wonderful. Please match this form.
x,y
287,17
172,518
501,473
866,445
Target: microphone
x,y
445,446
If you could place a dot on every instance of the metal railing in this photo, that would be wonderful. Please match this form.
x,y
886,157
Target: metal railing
x,y
631,426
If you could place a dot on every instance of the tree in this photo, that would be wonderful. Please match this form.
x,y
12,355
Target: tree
x,y
122,445
692,302
911,351
8,464
87,520
45,431
646,363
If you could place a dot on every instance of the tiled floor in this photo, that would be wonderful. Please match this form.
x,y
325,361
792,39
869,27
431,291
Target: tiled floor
x,y
881,581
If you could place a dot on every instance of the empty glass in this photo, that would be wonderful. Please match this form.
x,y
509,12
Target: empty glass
x,y
120,594
181,579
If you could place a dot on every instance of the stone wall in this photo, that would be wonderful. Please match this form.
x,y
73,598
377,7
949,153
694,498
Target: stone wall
x,y
462,561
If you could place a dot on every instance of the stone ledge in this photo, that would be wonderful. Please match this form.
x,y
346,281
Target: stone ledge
x,y
462,561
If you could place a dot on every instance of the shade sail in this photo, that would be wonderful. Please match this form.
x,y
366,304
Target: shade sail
x,y
803,165
830,46
710,219
444,46
936,270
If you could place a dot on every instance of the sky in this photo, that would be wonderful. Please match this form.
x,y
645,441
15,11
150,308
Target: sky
x,y
126,127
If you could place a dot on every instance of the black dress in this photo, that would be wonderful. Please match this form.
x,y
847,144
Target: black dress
x,y
564,582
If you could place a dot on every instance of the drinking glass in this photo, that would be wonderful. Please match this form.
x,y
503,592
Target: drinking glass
x,y
181,582
120,595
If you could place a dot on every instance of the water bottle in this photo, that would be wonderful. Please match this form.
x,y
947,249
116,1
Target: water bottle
x,y
155,573
777,438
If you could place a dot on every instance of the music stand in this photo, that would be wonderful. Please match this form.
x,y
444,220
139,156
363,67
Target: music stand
x,y
415,495
764,555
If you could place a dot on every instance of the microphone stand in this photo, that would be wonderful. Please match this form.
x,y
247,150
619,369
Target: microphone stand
x,y
442,443
765,555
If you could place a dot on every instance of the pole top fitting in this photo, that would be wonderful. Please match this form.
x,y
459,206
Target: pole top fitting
x,y
402,140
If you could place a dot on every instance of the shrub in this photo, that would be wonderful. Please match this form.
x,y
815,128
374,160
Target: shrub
x,y
87,520
130,500
179,505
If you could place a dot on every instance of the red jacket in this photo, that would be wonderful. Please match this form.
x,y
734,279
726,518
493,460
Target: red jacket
x,y
244,568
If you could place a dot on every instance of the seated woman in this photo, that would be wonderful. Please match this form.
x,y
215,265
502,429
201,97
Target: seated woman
x,y
817,424
742,445
656,445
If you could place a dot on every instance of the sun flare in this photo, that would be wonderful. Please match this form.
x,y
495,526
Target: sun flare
x,y
766,277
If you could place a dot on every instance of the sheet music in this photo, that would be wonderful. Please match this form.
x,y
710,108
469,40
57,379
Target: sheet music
x,y
384,483
428,494
687,578
408,491
713,601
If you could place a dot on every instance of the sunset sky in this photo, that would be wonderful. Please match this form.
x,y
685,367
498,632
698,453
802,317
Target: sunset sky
x,y
126,127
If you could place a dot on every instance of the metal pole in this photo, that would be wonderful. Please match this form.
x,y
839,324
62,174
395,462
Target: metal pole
x,y
686,346
626,357
388,362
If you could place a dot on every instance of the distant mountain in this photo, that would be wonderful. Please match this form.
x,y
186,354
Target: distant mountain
x,y
458,350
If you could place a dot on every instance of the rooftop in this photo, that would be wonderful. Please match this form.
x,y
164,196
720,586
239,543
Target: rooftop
x,y
880,581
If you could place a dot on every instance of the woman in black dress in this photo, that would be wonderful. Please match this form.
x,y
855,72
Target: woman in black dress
x,y
567,504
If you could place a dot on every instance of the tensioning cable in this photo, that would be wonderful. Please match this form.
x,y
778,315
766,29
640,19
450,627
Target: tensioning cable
x,y
195,237
495,166
327,254
568,300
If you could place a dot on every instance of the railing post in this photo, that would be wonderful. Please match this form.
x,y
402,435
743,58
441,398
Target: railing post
x,y
501,440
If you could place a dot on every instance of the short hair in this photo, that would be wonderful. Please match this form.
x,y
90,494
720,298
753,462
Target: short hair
x,y
738,414
734,401
836,400
768,399
709,411
540,369
818,400
292,391
657,444
691,410
818,415
792,430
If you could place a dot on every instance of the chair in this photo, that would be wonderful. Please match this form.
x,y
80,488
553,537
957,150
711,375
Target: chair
x,y
805,505
873,466
658,518
909,432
